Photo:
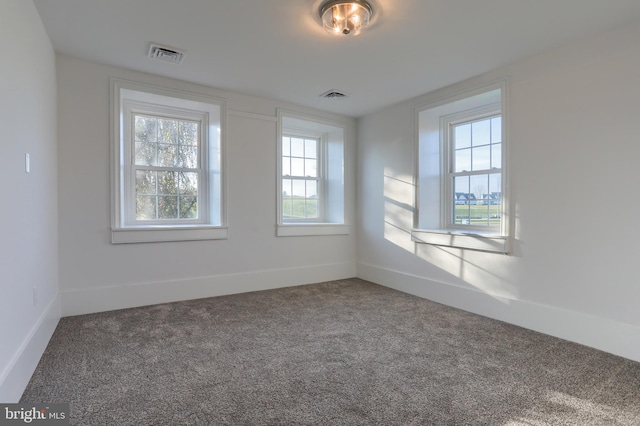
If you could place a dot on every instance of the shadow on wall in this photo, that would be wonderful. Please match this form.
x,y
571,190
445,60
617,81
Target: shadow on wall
x,y
484,272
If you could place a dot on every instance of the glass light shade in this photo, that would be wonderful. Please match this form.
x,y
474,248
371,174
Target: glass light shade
x,y
345,17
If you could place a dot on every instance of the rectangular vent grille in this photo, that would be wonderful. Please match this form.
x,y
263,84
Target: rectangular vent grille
x,y
167,54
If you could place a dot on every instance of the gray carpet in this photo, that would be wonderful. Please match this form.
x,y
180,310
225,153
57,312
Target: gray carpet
x,y
339,353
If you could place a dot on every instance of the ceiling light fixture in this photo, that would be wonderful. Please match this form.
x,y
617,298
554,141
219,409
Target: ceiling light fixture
x,y
342,17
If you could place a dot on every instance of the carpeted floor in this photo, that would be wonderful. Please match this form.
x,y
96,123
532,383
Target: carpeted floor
x,y
339,353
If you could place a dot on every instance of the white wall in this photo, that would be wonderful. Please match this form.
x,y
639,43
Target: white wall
x,y
96,275
574,126
28,216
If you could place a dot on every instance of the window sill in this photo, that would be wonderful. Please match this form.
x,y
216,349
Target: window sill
x,y
310,229
166,234
493,243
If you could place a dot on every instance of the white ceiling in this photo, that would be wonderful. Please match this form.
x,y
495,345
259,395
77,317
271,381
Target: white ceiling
x,y
277,48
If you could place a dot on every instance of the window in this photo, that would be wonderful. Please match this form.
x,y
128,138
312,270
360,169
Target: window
x,y
311,190
301,178
166,170
461,175
167,165
474,172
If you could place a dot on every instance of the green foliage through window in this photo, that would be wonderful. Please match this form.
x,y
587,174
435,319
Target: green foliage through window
x,y
162,144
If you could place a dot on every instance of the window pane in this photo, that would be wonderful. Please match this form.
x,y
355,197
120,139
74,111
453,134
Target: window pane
x,y
496,130
167,131
167,183
311,208
495,194
286,198
461,184
478,189
310,168
146,129
462,160
286,166
494,214
145,207
167,207
188,183
462,136
299,188
297,147
297,167
479,215
298,209
481,158
146,153
461,200
461,214
312,189
287,189
310,148
188,207
496,156
167,155
495,184
145,182
188,157
481,132
188,133
286,146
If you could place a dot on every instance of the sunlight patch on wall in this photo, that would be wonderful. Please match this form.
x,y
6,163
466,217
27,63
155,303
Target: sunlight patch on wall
x,y
398,210
483,271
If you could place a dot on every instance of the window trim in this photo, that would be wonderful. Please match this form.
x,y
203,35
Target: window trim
x,y
487,240
123,232
323,225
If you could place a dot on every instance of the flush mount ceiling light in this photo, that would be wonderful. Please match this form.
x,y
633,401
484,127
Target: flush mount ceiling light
x,y
342,17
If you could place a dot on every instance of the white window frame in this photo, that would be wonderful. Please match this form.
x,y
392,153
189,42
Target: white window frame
x,y
332,187
448,194
131,109
130,98
321,155
441,231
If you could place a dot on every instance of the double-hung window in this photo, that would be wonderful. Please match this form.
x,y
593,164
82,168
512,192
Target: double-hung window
x,y
301,178
167,165
311,176
461,174
474,171
165,178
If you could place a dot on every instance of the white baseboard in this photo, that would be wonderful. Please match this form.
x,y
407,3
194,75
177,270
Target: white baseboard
x,y
100,299
601,333
18,372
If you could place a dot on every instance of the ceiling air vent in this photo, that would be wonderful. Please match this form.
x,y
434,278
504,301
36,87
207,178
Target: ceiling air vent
x,y
333,94
164,53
